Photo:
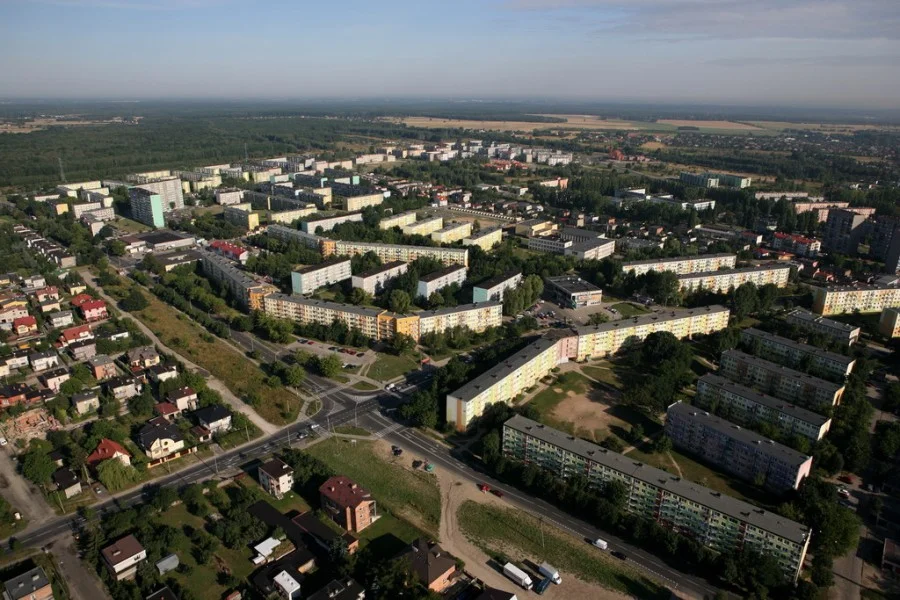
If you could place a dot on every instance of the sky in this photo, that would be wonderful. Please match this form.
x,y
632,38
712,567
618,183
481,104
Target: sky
x,y
822,53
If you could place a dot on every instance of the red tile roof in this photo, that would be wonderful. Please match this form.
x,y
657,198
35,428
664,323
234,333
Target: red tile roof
x,y
344,492
92,305
227,247
166,408
74,333
106,449
27,320
80,299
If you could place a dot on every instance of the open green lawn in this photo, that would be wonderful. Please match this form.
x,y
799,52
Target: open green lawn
x,y
129,226
603,373
410,495
627,309
388,367
290,501
508,533
351,430
546,400
365,386
278,405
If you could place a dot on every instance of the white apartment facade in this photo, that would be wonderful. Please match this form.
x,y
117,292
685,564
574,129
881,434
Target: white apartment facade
x,y
309,279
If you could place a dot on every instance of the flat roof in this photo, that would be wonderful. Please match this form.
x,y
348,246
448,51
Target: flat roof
x,y
484,233
783,406
383,268
341,216
161,237
771,366
442,273
322,265
360,310
736,432
457,309
801,314
640,320
174,258
242,277
499,280
676,259
454,225
805,348
760,268
572,284
404,247
738,509
503,369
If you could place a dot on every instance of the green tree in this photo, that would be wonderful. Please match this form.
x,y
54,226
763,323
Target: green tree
x,y
294,376
402,344
114,475
134,301
330,365
399,302
360,296
37,466
744,300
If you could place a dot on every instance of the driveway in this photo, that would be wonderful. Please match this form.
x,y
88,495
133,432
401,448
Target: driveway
x,y
82,582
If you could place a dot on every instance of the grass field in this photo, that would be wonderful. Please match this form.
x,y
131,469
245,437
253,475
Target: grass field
x,y
546,400
507,533
409,495
603,373
351,430
364,386
241,376
388,367
129,226
627,309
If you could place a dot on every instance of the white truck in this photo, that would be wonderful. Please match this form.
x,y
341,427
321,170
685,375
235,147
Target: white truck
x,y
601,544
518,575
548,570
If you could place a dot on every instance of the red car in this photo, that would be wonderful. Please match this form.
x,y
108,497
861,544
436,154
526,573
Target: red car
x,y
310,342
497,493
846,479
484,487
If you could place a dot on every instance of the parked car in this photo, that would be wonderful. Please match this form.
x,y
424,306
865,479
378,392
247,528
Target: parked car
x,y
846,479
360,354
619,555
484,487
497,493
310,342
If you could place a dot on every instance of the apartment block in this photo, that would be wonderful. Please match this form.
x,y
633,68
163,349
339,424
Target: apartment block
x,y
328,223
353,203
842,332
842,299
722,281
736,450
889,323
309,279
373,281
80,209
535,227
745,406
704,180
796,244
248,291
433,282
241,215
818,206
393,252
168,188
289,234
492,289
452,232
505,381
780,381
399,220
147,207
485,239
596,341
704,263
424,227
552,244
476,317
572,292
787,351
597,249
719,522
308,311
227,196
289,216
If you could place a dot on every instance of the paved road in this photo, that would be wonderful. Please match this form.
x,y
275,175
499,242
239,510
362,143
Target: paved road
x,y
436,452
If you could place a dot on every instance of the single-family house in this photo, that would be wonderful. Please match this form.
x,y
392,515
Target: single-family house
x,y
86,401
75,288
102,367
345,588
288,588
123,388
276,477
50,306
79,299
93,310
18,359
12,394
106,450
25,325
164,593
75,334
67,482
123,557
46,293
167,411
159,438
349,505
54,379
431,564
34,281
30,585
83,350
143,357
184,398
162,372
9,314
41,361
216,418
62,318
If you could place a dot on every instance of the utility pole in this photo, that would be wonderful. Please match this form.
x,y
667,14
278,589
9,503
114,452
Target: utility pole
x,y
247,431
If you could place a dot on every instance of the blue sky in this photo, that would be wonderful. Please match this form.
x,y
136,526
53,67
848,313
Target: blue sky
x,y
766,52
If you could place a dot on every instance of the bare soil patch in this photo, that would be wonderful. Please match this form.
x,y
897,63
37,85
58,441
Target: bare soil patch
x,y
709,124
591,416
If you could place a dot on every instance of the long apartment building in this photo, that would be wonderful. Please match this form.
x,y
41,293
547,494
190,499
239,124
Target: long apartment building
x,y
842,332
745,406
393,252
842,299
682,265
493,289
351,203
433,282
719,522
596,341
399,220
452,232
309,279
735,450
289,234
787,351
329,223
522,370
780,381
248,291
721,281
477,317
485,239
373,281
423,227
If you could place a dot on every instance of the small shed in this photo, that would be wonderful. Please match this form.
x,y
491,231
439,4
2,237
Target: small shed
x,y
169,563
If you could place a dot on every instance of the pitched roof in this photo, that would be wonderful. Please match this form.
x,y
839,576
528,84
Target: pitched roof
x,y
344,492
65,478
106,449
92,305
122,550
158,429
212,414
165,408
276,468
428,560
22,586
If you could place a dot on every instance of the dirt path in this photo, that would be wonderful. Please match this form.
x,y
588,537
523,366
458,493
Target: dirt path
x,y
22,494
453,493
216,384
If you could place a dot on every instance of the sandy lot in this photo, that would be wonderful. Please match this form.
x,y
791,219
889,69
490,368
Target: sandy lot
x,y
39,124
591,414
572,122
652,146
709,124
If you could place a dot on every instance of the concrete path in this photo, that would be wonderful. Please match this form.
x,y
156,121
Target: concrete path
x,y
215,384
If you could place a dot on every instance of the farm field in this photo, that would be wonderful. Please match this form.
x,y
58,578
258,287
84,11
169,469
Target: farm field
x,y
733,125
